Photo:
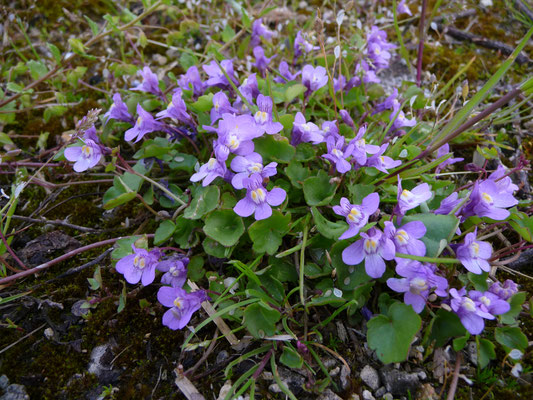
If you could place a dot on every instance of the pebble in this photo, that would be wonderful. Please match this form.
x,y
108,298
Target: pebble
x,y
380,392
328,394
370,377
367,395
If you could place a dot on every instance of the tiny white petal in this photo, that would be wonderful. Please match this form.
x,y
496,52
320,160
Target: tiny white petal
x,y
337,51
515,354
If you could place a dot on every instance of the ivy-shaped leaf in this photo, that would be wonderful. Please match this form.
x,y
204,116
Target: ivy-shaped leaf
x,y
267,234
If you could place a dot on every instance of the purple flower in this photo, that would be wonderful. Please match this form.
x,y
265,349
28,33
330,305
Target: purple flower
x,y
314,78
191,81
329,129
409,199
91,134
405,238
303,131
400,120
374,247
403,9
248,165
286,75
145,124
356,215
474,254
216,75
337,153
470,314
263,117
339,83
369,75
85,156
381,162
118,110
221,106
259,30
347,119
378,48
175,269
504,183
505,291
442,151
448,204
182,305
487,199
261,62
390,103
150,82
361,148
489,302
235,134
139,266
176,109
258,200
418,280
301,44
209,171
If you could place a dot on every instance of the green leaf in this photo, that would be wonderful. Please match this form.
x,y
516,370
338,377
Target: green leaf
x,y
5,139
511,338
439,230
485,349
187,60
113,198
183,231
213,248
291,358
446,326
228,33
246,19
328,229
164,232
294,91
55,53
203,104
479,281
274,148
391,336
224,226
359,191
522,224
122,298
349,277
460,342
15,87
195,270
55,111
317,189
205,200
516,306
37,69
297,173
93,25
287,120
75,75
260,320
76,45
267,234
183,162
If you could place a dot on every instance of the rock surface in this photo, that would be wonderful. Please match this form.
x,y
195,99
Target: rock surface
x,y
370,377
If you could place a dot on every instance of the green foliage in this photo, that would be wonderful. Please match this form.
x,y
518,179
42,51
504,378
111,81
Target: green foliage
x,y
224,226
260,319
267,234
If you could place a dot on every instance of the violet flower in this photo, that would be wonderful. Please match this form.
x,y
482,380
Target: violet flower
x,y
191,80
417,282
470,314
118,110
473,254
145,124
403,9
339,84
329,129
216,75
249,165
258,200
505,291
182,305
374,248
235,134
487,199
369,75
259,30
150,83
210,171
139,266
303,131
448,204
176,109
175,271
91,134
286,75
301,44
85,156
489,302
314,78
409,199
356,215
261,62
400,120
338,153
361,148
263,117
406,239
378,48
504,183
221,106
442,151
381,162
347,119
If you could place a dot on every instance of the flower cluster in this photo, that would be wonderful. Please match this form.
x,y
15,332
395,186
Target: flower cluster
x,y
141,266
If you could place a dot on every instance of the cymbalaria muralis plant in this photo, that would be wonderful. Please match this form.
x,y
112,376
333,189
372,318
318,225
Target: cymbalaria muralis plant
x,y
317,192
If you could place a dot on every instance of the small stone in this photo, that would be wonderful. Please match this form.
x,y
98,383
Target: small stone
x,y
388,396
4,382
380,392
398,382
345,377
334,372
15,392
224,390
274,388
355,397
367,395
222,356
370,377
328,394
329,363
49,333
422,375
471,350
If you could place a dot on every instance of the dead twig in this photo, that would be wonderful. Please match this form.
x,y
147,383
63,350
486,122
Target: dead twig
x,y
53,222
206,354
453,384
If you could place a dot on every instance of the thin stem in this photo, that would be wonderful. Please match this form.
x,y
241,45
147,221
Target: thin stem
x,y
421,34
302,262
433,260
